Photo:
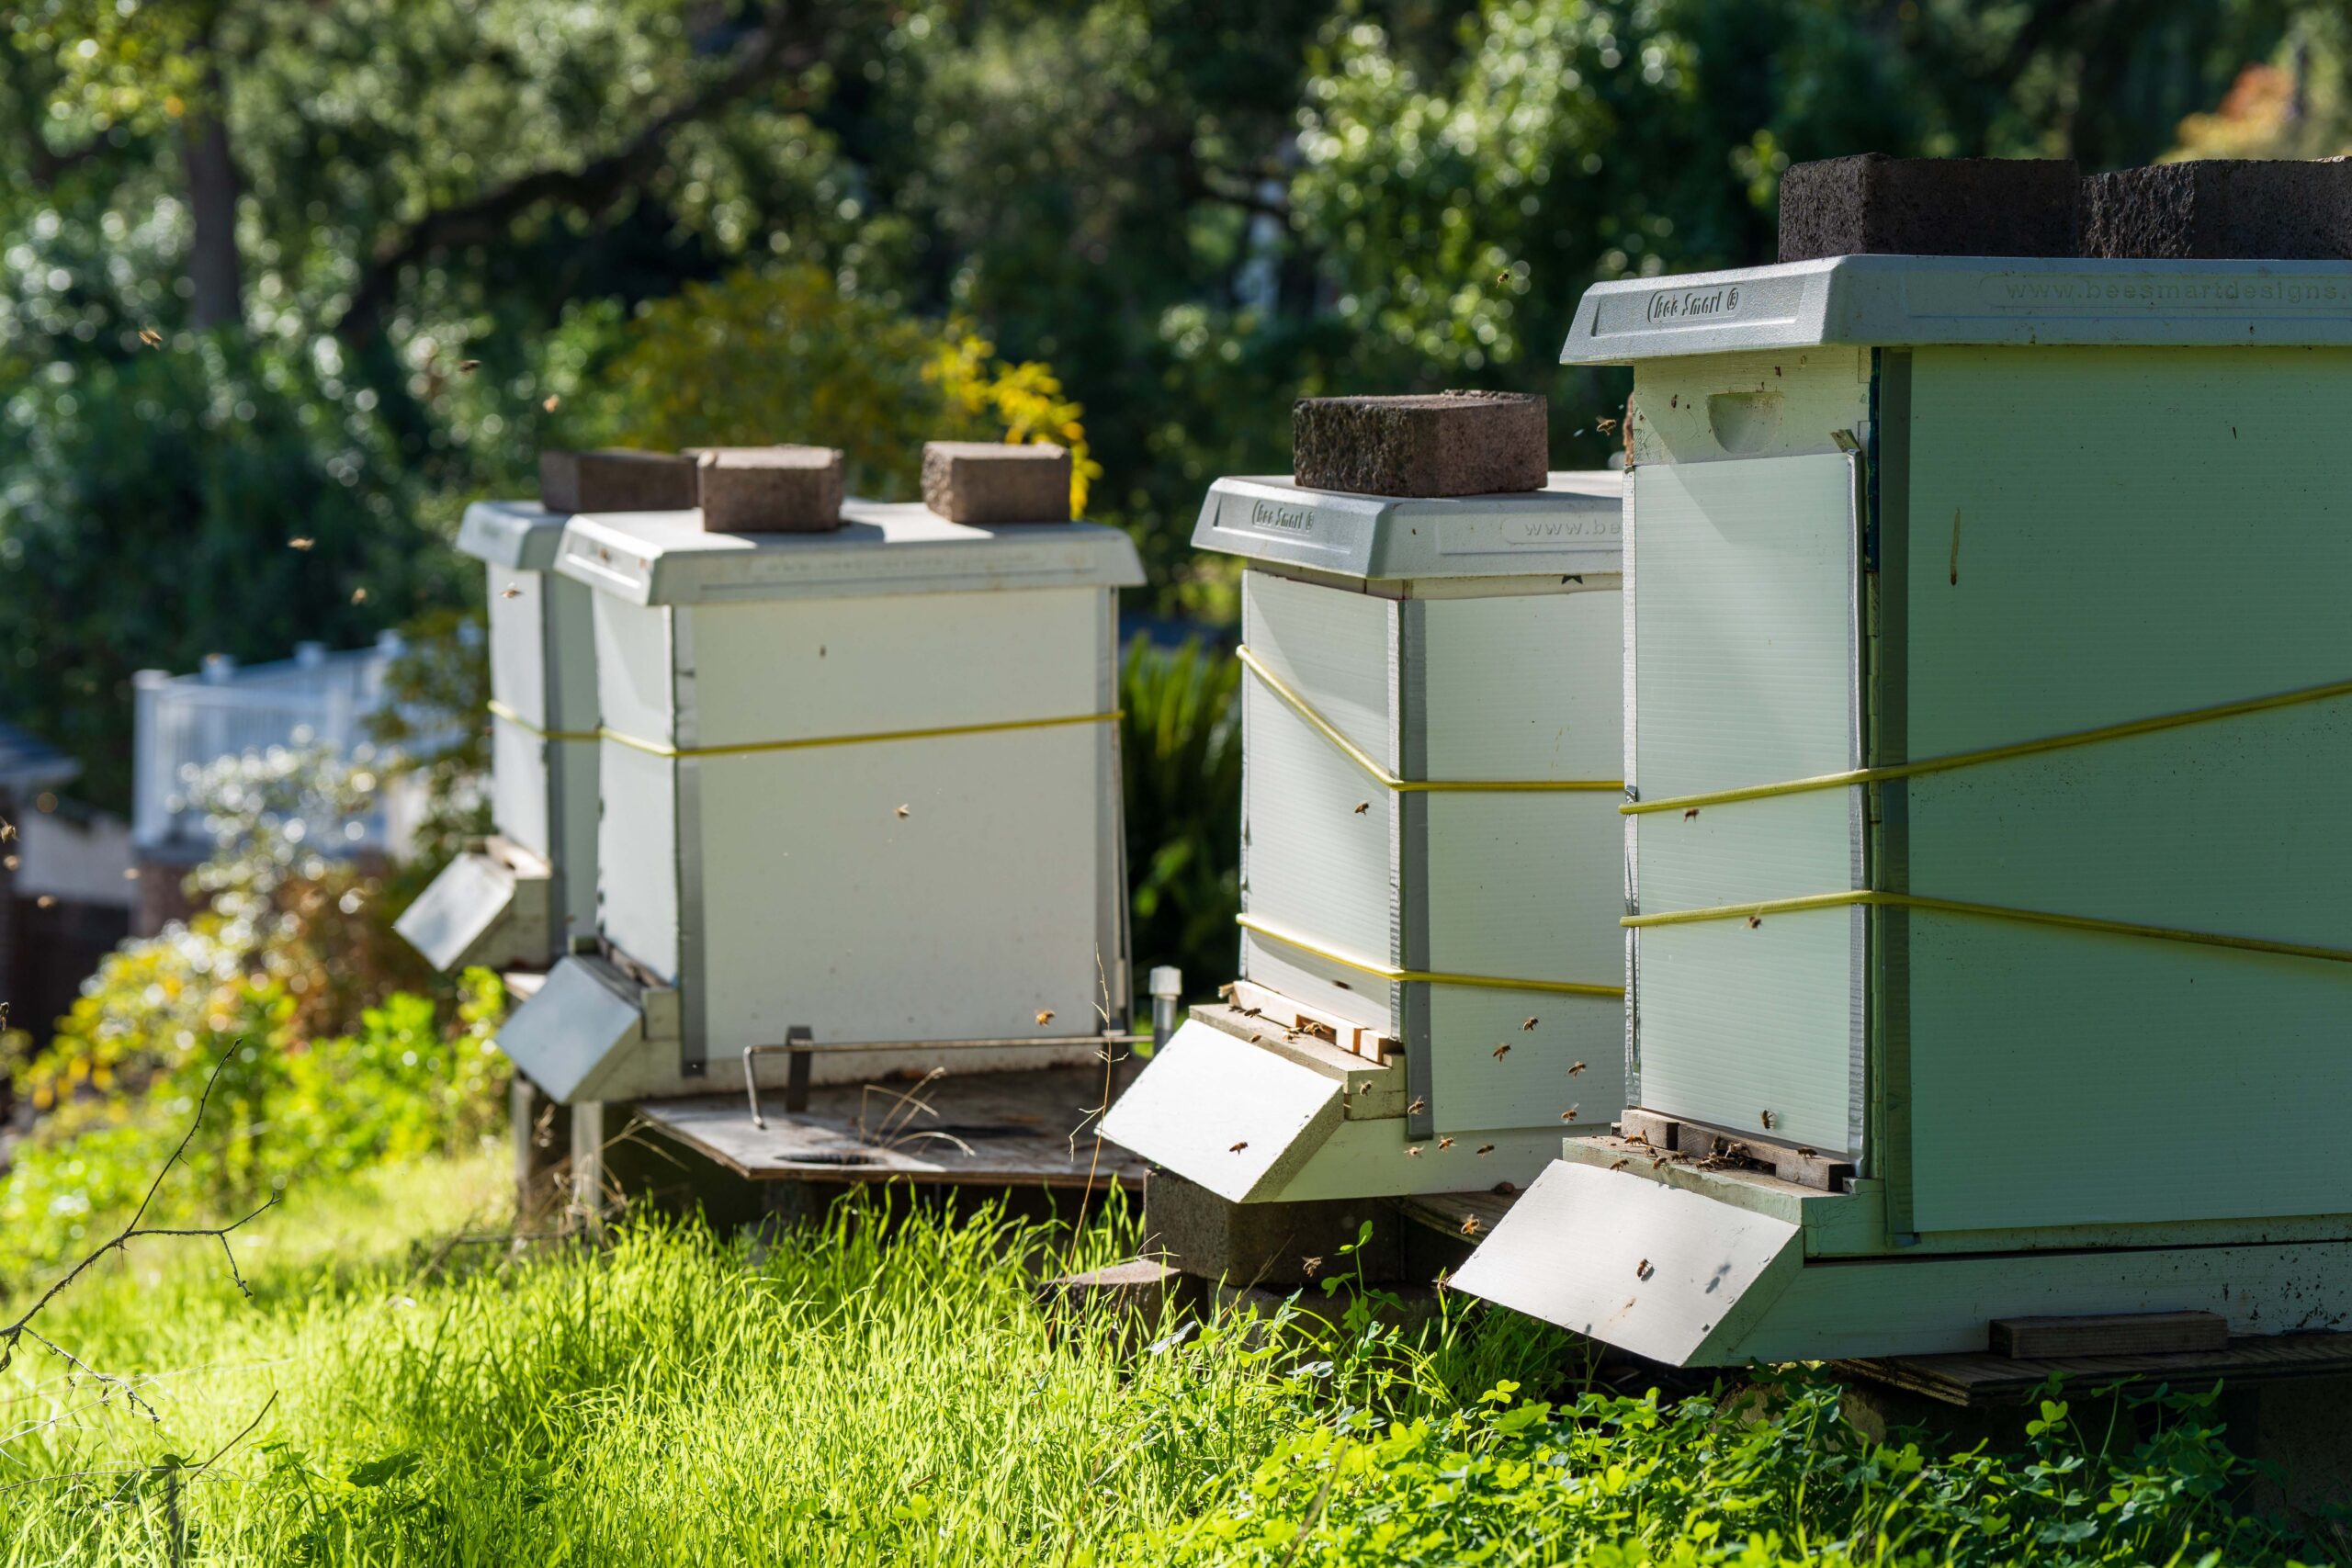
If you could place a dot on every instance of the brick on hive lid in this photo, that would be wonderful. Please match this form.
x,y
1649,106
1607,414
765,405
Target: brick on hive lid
x,y
1875,205
1422,444
614,480
769,489
2221,209
992,482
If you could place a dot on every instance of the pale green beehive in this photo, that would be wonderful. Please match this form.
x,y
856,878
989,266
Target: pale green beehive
x,y
1988,731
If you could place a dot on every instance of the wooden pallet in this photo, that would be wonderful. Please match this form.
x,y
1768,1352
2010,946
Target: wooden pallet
x,y
1032,1129
1976,1380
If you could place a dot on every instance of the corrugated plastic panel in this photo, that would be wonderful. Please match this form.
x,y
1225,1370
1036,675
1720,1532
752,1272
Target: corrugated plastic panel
x,y
1522,885
2155,536
1746,673
1310,861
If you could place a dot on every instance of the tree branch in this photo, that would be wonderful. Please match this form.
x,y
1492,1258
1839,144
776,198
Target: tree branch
x,y
592,187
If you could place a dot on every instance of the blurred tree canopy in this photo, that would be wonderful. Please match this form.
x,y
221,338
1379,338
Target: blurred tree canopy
x,y
324,269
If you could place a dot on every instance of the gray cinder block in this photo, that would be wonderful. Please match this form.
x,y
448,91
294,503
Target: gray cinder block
x,y
613,480
1265,1244
990,481
1875,205
1426,445
769,489
2221,209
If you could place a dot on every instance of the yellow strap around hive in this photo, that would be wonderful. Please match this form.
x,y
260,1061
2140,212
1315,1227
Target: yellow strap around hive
x,y
747,748
1873,899
500,710
1389,780
1425,976
1993,753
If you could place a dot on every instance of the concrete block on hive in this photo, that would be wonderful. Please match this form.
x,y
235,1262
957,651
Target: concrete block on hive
x,y
614,480
990,481
1279,1245
1428,444
769,489
1875,205
2221,209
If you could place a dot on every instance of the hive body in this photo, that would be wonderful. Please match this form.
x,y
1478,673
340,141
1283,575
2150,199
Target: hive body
x,y
862,783
2009,988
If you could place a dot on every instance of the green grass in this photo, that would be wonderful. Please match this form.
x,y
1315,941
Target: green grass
x,y
842,1398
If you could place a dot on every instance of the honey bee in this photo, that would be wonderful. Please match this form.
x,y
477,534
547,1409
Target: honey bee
x,y
1413,1151
1363,806
1618,1165
1808,1154
1420,1103
7,831
1310,1266
1485,1149
151,337
549,404
905,811
1238,1147
1768,1120
1502,1050
130,872
1642,1269
1605,424
1529,1026
1570,1113
468,366
1575,1067
1469,1225
11,863
1445,1143
359,595
1690,815
510,591
1754,921
1045,1015
45,901
300,543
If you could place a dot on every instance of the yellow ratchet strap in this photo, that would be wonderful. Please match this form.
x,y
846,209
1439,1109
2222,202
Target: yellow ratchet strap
x,y
1389,780
1873,899
500,710
1432,977
1995,754
809,743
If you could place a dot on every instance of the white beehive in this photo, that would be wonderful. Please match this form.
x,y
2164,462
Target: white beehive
x,y
1430,848
861,783
1990,712
522,897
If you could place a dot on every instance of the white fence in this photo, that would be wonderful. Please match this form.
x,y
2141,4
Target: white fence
x,y
184,722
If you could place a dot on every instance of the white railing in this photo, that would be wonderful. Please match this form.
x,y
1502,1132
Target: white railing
x,y
187,722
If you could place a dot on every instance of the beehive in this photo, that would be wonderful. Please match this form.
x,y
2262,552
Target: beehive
x,y
1987,720
1431,849
519,898
862,783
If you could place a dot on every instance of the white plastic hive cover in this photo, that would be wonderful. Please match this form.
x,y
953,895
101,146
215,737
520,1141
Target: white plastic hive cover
x,y
1650,1268
1572,525
881,549
475,912
565,1039
1219,1111
518,533
1917,301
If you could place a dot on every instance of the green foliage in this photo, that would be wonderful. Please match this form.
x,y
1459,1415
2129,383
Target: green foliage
x,y
436,730
1180,739
145,510
789,356
1772,1475
852,1391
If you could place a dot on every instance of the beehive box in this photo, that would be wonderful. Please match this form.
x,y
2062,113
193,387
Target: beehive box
x,y
519,898
1986,643
1431,849
863,784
